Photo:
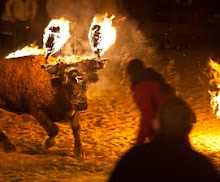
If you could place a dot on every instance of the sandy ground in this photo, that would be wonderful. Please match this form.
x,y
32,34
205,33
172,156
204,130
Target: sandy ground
x,y
109,127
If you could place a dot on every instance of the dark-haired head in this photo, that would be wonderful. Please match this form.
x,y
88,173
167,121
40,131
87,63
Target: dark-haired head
x,y
176,118
134,66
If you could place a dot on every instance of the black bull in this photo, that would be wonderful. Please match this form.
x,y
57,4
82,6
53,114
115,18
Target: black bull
x,y
55,93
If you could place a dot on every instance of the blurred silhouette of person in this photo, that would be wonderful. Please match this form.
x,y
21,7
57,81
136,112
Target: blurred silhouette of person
x,y
201,11
41,21
2,8
21,12
150,92
169,157
6,27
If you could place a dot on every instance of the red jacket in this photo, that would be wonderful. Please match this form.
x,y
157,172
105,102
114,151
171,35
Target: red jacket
x,y
149,97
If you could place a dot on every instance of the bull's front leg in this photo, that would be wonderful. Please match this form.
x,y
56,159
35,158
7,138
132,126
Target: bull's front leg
x,y
8,146
49,126
75,125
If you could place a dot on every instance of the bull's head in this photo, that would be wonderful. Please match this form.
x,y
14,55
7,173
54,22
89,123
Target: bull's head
x,y
72,83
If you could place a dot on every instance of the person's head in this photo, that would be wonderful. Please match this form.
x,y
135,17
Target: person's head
x,y
175,118
134,66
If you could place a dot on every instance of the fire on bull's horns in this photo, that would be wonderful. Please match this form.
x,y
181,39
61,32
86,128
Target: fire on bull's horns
x,y
62,81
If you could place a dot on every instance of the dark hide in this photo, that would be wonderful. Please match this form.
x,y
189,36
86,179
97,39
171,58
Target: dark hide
x,y
55,93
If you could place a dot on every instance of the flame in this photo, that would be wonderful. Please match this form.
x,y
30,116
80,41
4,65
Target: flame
x,y
26,51
101,35
55,35
215,95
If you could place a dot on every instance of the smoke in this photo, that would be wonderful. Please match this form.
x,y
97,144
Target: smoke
x,y
130,41
80,14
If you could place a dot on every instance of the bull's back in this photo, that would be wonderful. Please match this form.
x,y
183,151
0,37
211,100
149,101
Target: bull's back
x,y
24,84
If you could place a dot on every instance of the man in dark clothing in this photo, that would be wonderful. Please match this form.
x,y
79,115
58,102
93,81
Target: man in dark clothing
x,y
169,157
21,13
150,92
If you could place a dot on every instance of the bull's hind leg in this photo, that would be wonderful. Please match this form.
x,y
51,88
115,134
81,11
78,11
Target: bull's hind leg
x,y
51,129
8,146
75,125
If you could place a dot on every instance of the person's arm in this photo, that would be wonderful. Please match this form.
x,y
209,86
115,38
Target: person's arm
x,y
145,128
8,10
143,95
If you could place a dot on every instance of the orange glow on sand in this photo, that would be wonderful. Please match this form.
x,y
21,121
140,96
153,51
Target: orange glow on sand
x,y
209,141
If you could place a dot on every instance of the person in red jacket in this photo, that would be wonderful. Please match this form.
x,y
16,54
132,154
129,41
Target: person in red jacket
x,y
150,92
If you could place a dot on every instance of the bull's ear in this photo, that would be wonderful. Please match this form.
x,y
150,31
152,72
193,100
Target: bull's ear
x,y
55,82
54,69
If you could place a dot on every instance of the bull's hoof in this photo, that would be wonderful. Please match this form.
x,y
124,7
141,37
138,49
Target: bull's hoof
x,y
9,147
79,153
50,142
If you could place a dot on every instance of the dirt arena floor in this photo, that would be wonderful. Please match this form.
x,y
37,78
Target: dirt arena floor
x,y
109,126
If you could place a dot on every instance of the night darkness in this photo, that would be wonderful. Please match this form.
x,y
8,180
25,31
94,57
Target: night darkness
x,y
177,38
192,18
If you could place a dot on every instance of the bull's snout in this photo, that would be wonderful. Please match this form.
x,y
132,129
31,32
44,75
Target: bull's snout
x,y
81,106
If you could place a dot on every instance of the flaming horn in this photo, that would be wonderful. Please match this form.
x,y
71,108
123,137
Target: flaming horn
x,y
55,36
101,35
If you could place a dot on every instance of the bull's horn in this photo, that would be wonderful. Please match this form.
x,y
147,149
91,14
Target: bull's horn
x,y
53,69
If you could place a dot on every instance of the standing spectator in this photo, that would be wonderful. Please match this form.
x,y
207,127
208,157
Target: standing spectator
x,y
150,92
5,28
41,21
169,157
201,9
21,12
2,8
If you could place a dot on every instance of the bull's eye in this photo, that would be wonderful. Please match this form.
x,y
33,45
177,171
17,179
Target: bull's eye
x,y
74,80
78,79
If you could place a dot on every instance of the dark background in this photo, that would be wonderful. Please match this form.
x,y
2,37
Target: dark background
x,y
169,23
173,23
